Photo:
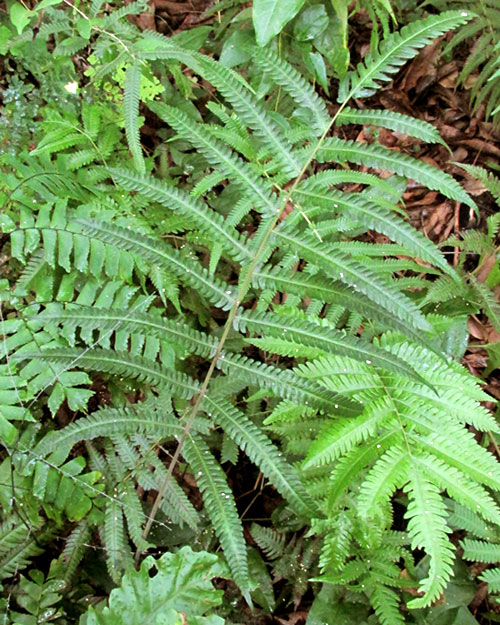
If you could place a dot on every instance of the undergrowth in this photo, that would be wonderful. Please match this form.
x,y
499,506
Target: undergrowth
x,y
170,306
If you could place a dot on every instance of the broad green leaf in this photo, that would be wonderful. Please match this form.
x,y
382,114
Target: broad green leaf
x,y
19,16
271,16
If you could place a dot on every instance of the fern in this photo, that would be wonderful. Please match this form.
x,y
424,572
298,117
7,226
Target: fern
x,y
131,111
220,508
168,284
394,51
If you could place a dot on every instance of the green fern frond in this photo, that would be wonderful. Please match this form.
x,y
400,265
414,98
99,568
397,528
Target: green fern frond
x,y
18,544
380,157
196,211
236,91
121,364
462,489
427,527
287,384
487,301
350,465
232,165
329,177
269,540
74,549
342,437
131,113
393,121
492,578
326,290
220,507
126,323
381,64
376,217
480,551
303,332
108,422
262,452
118,553
294,83
385,602
463,518
340,266
153,251
390,471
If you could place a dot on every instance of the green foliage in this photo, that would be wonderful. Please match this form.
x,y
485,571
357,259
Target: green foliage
x,y
223,276
179,590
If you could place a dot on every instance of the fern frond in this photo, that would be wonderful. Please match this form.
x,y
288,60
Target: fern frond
x,y
329,177
118,553
343,436
122,364
380,157
126,323
302,332
385,602
287,384
462,489
464,519
153,251
262,452
393,121
235,90
232,165
427,527
389,472
18,545
339,266
487,301
492,578
381,64
329,291
74,549
220,507
269,540
350,465
131,113
196,211
295,84
480,551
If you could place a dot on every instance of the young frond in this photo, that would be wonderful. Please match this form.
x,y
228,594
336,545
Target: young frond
x,y
131,113
428,530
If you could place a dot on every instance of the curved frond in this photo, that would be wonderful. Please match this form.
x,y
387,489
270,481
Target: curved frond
x,y
220,507
381,64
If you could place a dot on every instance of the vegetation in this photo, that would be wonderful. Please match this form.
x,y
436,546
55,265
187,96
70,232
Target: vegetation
x,y
211,295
